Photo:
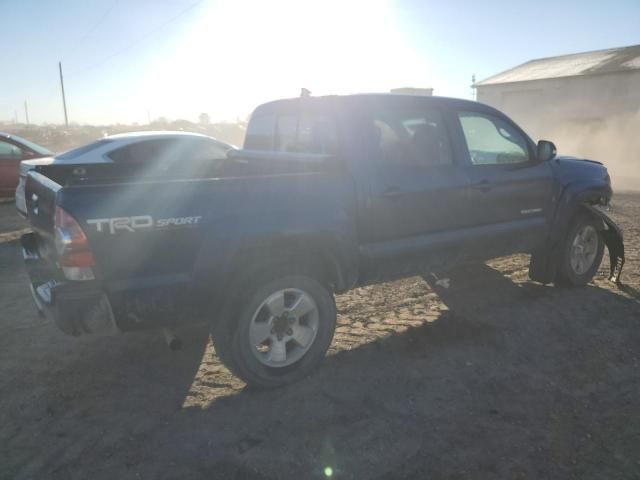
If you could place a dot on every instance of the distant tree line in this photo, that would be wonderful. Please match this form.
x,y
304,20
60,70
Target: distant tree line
x,y
58,138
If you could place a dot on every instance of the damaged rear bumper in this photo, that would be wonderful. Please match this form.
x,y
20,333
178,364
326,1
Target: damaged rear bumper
x,y
76,308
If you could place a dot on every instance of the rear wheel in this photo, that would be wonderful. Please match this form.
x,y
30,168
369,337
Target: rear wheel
x,y
279,332
582,252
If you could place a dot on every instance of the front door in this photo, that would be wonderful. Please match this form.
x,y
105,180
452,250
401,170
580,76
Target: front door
x,y
511,191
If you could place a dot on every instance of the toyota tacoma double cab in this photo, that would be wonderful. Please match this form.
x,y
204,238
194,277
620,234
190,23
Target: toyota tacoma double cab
x,y
327,194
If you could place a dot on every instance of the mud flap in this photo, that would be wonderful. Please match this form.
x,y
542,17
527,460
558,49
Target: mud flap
x,y
542,267
612,236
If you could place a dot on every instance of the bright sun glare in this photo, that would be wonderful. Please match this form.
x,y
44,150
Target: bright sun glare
x,y
241,53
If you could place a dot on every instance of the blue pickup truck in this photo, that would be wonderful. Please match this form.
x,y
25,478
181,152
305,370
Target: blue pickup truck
x,y
328,194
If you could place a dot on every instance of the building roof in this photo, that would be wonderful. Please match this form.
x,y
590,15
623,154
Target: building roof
x,y
587,63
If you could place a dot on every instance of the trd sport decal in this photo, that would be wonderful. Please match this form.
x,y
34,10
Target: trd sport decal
x,y
140,222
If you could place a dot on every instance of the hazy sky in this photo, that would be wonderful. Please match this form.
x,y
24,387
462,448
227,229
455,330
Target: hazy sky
x,y
177,58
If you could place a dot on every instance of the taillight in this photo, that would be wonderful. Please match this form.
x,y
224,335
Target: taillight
x,y
74,255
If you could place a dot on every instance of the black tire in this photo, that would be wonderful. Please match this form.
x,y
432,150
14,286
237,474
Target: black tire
x,y
231,338
567,274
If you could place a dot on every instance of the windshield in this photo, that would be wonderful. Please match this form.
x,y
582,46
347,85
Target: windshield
x,y
39,149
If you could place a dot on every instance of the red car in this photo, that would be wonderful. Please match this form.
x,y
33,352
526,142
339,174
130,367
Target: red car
x,y
13,150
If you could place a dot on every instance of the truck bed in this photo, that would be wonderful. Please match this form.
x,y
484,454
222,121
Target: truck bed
x,y
150,231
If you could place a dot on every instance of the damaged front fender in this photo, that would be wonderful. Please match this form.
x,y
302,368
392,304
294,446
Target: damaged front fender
x,y
544,262
612,236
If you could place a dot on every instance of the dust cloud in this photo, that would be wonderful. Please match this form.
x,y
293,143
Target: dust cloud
x,y
615,141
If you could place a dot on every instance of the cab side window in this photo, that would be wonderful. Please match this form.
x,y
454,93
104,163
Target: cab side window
x,y
412,138
306,133
316,134
286,133
292,133
491,140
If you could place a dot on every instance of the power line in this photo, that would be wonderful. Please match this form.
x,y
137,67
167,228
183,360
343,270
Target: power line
x,y
139,39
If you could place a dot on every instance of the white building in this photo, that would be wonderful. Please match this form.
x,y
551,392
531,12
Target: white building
x,y
587,103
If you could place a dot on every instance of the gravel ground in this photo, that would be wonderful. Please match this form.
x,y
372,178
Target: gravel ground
x,y
10,221
494,377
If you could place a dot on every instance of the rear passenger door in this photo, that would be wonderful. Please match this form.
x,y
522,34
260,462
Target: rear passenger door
x,y
418,193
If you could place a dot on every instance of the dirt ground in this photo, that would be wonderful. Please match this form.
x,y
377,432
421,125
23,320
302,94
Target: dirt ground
x,y
494,377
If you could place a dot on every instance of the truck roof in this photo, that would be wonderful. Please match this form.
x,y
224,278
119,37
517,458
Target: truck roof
x,y
329,101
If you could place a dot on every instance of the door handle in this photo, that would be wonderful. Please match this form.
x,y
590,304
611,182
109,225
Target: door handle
x,y
483,186
392,191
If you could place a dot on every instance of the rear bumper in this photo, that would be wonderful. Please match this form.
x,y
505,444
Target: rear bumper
x,y
77,308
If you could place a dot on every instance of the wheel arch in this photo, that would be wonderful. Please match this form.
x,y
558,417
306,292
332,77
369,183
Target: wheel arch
x,y
321,259
575,200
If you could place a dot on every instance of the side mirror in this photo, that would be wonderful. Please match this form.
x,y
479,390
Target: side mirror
x,y
546,150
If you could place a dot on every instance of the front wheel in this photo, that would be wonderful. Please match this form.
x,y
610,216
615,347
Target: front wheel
x,y
582,252
279,332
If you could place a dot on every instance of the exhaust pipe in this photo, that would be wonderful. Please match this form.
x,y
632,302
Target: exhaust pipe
x,y
173,342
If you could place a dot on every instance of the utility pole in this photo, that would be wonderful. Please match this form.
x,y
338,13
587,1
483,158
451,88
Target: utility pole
x,y
26,112
64,101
